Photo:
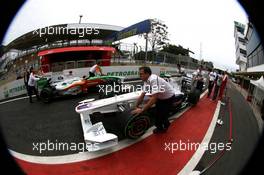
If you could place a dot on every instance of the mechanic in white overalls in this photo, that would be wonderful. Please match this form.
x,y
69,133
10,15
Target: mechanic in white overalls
x,y
94,69
162,94
32,85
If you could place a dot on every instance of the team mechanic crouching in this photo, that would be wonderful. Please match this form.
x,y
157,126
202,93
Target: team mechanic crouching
x,y
162,94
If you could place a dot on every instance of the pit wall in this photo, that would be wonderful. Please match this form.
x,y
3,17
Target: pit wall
x,y
17,87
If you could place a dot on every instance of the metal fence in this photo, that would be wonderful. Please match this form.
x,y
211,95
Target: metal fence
x,y
185,62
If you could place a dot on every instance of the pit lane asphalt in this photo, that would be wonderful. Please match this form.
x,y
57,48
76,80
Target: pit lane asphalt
x,y
245,135
25,124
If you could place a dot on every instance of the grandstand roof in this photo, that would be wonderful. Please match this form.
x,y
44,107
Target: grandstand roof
x,y
62,32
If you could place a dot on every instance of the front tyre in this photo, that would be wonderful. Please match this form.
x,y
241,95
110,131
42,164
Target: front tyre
x,y
137,126
133,126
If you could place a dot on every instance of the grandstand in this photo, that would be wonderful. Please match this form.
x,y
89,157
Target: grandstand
x,y
71,46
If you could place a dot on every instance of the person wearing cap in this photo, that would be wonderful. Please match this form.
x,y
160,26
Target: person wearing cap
x,y
69,75
161,93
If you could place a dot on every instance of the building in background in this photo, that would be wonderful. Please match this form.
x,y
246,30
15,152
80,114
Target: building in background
x,y
251,80
254,48
240,43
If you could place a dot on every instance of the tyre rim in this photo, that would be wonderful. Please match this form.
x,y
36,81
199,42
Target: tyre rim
x,y
137,126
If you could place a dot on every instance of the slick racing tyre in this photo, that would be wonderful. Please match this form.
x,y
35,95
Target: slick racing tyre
x,y
134,126
103,95
113,81
110,81
194,96
46,95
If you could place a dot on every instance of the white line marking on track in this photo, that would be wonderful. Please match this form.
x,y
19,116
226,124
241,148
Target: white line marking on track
x,y
15,99
189,167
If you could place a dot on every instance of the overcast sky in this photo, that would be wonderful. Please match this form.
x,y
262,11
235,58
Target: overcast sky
x,y
191,23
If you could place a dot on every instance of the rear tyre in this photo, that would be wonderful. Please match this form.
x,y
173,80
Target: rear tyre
x,y
46,95
194,96
112,88
103,95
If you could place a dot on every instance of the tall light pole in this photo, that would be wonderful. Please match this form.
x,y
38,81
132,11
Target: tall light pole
x,y
80,19
201,51
146,48
135,49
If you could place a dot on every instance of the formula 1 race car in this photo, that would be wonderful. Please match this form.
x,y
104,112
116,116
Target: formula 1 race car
x,y
74,86
120,107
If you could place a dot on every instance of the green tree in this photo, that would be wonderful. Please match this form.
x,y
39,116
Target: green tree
x,y
158,36
177,50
